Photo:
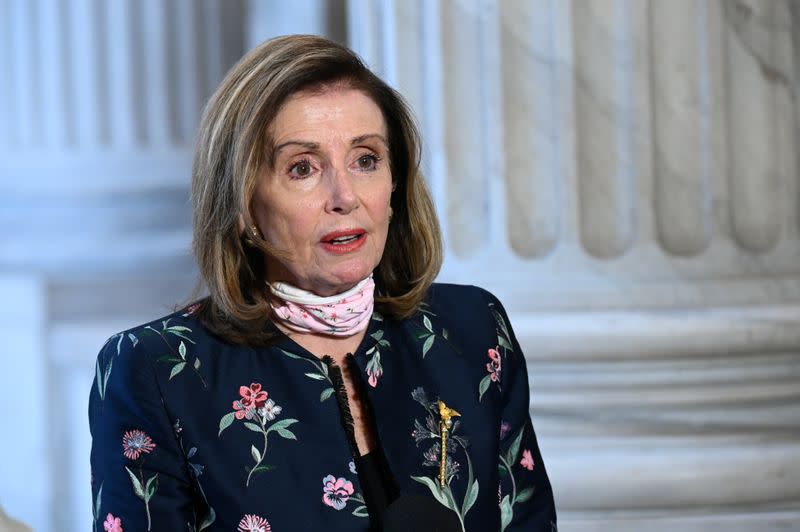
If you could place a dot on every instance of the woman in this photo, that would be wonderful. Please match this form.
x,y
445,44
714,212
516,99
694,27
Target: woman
x,y
325,383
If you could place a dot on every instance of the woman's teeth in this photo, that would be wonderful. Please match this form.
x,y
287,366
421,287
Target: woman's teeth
x,y
344,239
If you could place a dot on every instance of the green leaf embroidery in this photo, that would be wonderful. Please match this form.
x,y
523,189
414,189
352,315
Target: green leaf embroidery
x,y
377,335
283,423
209,520
524,495
498,317
263,468
177,368
315,376
181,335
99,377
150,487
225,422
483,386
427,323
472,488
513,451
252,426
452,504
437,492
137,486
291,355
196,363
361,511
255,453
326,393
286,433
97,502
427,345
106,375
182,350
471,496
506,513
504,343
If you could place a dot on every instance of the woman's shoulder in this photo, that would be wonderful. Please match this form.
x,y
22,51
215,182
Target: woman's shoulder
x,y
464,299
469,311
179,326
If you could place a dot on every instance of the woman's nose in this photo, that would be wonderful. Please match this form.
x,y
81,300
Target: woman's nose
x,y
343,198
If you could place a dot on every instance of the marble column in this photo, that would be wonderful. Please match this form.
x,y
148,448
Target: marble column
x,y
624,176
99,101
271,18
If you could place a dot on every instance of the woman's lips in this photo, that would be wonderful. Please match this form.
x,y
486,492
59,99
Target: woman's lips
x,y
342,242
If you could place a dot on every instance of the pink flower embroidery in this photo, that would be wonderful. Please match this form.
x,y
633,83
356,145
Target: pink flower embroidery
x,y
112,524
373,374
527,460
242,412
336,491
254,523
494,365
136,442
253,396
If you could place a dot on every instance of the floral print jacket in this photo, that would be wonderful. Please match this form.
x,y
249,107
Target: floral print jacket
x,y
191,433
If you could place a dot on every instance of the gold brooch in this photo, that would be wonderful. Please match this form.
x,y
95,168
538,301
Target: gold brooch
x,y
445,423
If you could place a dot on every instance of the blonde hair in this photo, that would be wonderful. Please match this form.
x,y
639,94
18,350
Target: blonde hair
x,y
233,144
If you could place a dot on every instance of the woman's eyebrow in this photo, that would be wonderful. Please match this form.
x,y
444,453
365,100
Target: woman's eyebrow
x,y
315,145
303,143
361,138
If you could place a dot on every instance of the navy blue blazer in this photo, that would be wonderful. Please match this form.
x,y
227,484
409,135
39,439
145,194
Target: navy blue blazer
x,y
193,433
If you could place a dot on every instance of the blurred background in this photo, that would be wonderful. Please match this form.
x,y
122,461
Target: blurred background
x,y
623,174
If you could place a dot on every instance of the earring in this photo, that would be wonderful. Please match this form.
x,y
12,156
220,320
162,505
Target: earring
x,y
250,235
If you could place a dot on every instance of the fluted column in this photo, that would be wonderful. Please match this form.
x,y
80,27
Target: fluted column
x,y
99,101
624,175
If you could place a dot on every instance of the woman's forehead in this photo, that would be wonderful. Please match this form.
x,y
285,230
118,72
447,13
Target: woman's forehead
x,y
346,110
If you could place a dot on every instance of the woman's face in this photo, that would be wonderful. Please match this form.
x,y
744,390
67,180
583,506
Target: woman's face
x,y
325,201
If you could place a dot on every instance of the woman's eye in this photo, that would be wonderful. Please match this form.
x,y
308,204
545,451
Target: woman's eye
x,y
367,162
300,169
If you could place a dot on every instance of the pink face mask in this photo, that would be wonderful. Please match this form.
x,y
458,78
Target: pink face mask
x,y
339,315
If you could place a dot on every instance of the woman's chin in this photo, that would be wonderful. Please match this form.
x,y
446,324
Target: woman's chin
x,y
341,282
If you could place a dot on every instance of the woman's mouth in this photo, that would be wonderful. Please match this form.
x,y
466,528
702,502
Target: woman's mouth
x,y
340,242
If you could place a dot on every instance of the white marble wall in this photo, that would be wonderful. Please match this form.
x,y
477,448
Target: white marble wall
x,y
624,175
99,101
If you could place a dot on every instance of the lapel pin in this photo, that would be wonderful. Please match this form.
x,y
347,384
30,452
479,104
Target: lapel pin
x,y
445,424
